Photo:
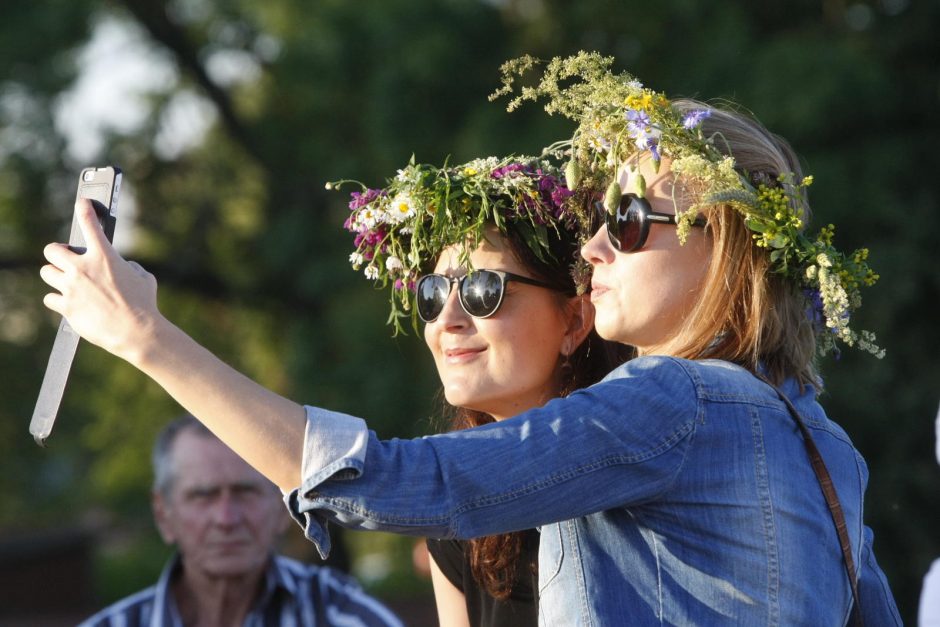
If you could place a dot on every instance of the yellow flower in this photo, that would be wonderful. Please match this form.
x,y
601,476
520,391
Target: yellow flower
x,y
644,102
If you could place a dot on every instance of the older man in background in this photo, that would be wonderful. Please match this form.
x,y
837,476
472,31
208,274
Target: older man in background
x,y
224,519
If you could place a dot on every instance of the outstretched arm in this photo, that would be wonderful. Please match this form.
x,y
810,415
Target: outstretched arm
x,y
113,303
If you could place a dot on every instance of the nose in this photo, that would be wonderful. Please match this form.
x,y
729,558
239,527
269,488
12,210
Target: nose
x,y
227,511
453,316
598,250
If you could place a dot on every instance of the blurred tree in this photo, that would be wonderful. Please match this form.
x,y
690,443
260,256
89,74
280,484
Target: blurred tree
x,y
248,245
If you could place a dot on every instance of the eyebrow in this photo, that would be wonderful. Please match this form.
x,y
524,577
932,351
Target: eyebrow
x,y
240,486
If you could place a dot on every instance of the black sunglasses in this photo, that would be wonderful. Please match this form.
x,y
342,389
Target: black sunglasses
x,y
480,292
629,226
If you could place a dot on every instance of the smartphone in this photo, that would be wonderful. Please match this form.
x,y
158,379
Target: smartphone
x,y
102,186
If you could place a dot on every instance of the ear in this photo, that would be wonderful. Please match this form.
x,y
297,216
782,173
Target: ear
x,y
580,321
161,517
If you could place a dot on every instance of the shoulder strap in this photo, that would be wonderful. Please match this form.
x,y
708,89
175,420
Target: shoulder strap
x,y
832,499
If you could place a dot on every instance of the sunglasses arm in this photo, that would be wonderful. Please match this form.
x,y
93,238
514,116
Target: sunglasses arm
x,y
668,218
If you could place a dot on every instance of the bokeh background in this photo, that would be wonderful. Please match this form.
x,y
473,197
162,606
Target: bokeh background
x,y
228,116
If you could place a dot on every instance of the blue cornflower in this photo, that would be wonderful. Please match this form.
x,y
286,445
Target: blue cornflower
x,y
814,309
653,145
693,118
637,123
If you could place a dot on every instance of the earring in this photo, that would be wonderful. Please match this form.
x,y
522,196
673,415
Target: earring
x,y
566,366
588,338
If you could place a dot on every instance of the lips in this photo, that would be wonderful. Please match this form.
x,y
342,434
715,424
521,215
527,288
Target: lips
x,y
230,546
598,290
461,354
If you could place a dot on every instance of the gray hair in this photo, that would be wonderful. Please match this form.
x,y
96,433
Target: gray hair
x,y
163,471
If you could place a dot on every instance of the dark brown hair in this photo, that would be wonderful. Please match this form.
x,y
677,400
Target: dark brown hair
x,y
494,560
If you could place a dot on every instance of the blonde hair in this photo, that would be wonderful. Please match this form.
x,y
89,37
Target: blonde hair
x,y
745,313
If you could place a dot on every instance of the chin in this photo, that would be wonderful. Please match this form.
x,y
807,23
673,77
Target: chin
x,y
235,564
460,400
468,402
233,568
459,392
607,329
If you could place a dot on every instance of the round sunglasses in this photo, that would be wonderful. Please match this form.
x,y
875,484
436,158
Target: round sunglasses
x,y
629,226
480,292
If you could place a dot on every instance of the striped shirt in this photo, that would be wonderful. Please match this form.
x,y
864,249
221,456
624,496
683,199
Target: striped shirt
x,y
295,594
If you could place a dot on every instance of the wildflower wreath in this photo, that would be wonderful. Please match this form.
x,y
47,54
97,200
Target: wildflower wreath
x,y
620,120
401,228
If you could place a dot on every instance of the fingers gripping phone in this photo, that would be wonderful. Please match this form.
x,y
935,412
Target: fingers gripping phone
x,y
102,186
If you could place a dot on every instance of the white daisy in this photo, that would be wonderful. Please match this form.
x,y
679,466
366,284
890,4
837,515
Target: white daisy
x,y
370,217
401,208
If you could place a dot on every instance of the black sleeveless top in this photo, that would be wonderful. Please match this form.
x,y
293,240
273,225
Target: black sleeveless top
x,y
519,610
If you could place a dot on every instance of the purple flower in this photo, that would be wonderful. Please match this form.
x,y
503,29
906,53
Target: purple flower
x,y
638,117
816,310
692,119
653,146
559,195
375,237
369,238
637,123
547,183
499,173
814,298
401,285
361,199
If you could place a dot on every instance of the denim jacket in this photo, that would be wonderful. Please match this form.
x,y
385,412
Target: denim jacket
x,y
673,492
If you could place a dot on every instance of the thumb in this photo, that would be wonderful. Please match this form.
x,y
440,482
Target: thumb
x,y
88,223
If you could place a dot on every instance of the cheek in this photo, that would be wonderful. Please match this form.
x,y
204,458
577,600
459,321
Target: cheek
x,y
646,303
267,519
531,348
432,342
695,258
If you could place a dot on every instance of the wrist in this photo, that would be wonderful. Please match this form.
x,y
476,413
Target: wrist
x,y
143,347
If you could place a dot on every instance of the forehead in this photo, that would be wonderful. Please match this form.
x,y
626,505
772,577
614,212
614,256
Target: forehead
x,y
493,253
659,181
205,461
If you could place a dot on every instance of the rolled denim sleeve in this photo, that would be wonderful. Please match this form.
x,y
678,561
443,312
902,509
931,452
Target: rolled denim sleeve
x,y
334,448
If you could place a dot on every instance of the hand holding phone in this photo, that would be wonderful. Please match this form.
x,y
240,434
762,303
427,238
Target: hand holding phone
x,y
101,186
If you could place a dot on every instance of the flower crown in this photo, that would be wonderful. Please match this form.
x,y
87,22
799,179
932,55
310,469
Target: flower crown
x,y
424,209
620,120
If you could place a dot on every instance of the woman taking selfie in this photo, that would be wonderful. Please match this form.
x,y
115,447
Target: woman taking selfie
x,y
700,483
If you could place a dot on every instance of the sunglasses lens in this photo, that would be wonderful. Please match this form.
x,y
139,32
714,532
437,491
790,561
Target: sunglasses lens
x,y
481,293
432,291
624,226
